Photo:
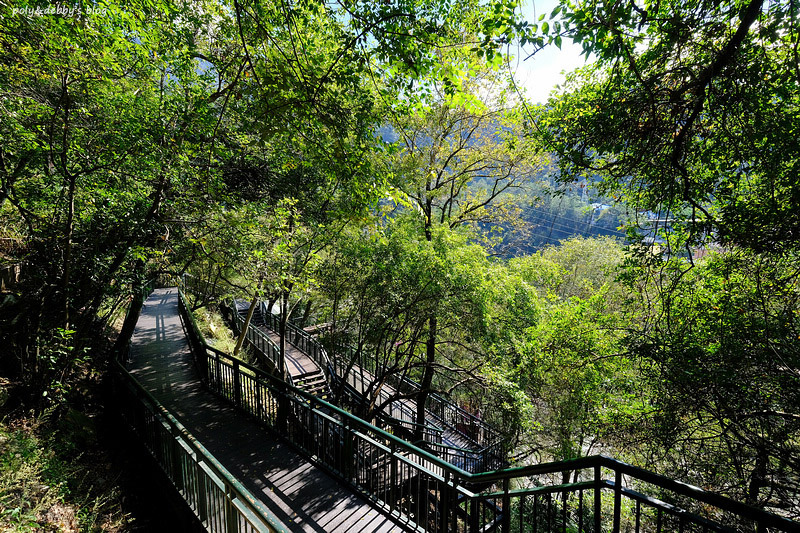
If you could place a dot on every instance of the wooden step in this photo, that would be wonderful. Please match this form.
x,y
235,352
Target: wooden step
x,y
309,376
313,383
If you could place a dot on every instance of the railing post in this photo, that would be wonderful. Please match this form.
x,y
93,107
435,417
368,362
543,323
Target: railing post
x,y
231,517
218,375
473,516
444,503
392,476
348,449
598,504
453,503
202,361
202,494
617,498
282,419
506,526
237,392
260,408
177,464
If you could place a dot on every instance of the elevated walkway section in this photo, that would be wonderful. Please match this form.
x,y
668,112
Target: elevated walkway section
x,y
300,495
304,372
448,432
417,489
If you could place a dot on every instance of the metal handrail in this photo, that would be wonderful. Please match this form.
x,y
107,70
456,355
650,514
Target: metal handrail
x,y
489,440
299,339
431,432
185,450
442,409
438,496
259,341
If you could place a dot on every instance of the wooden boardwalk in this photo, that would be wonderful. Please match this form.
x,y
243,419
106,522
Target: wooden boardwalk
x,y
300,365
306,374
301,495
297,363
405,410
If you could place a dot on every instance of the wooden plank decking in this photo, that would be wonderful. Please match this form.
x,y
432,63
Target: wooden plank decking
x,y
304,497
298,364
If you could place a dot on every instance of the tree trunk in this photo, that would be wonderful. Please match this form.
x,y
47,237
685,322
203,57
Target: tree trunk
x,y
129,325
430,346
243,333
306,314
427,377
282,332
67,269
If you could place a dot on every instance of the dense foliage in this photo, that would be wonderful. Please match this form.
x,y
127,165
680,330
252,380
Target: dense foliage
x,y
369,165
691,112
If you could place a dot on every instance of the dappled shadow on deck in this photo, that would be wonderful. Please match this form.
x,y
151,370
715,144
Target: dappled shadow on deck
x,y
301,495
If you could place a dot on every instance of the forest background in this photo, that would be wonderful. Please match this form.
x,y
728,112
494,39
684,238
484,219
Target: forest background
x,y
614,271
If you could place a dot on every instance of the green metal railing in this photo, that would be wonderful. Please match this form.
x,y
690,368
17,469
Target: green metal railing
x,y
588,495
257,340
489,449
218,500
299,339
489,444
397,415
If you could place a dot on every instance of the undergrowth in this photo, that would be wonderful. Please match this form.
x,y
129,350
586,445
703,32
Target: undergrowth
x,y
54,474
47,485
214,329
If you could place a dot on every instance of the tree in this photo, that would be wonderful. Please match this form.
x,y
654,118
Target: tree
x,y
572,363
457,160
99,115
724,350
123,120
690,112
385,284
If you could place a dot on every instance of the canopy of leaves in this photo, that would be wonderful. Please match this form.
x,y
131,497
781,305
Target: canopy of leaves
x,y
691,111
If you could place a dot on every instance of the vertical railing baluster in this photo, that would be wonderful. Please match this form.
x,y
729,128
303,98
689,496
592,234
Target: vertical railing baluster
x,y
598,504
393,476
202,503
617,498
177,463
443,506
506,525
474,525
231,517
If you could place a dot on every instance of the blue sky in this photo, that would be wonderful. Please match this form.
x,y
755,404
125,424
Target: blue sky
x,y
542,72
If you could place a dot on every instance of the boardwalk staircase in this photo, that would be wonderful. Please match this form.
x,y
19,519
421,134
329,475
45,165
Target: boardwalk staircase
x,y
449,432
313,383
305,371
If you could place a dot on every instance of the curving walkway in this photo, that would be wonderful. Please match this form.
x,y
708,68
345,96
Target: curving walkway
x,y
304,497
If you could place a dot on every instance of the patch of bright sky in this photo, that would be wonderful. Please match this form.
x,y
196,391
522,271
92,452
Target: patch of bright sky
x,y
540,74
